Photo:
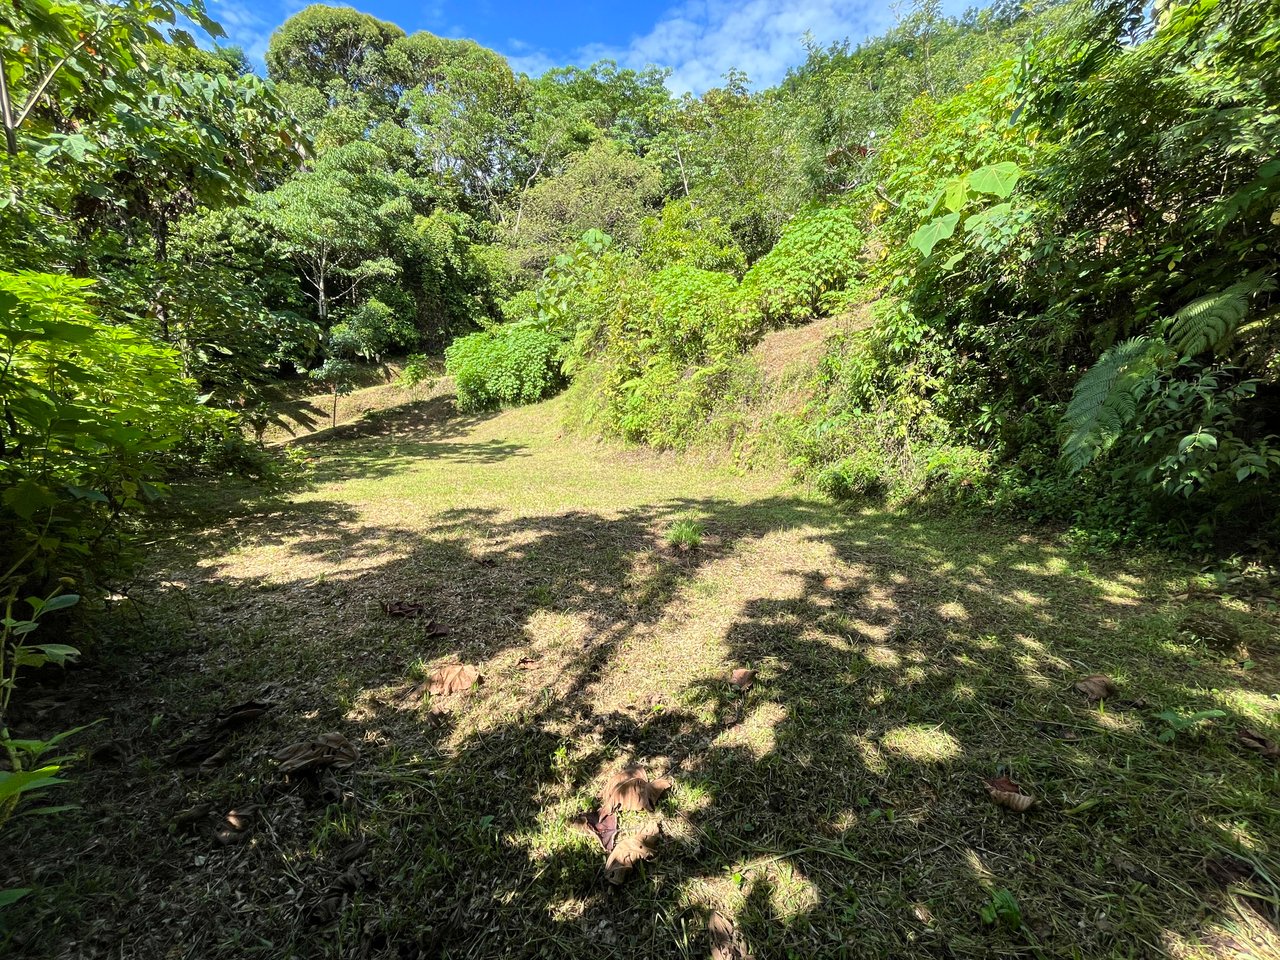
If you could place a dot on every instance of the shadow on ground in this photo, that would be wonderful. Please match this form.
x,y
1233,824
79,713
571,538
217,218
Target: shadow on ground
x,y
835,809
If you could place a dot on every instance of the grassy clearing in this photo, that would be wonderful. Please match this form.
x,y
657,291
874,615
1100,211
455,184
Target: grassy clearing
x,y
834,809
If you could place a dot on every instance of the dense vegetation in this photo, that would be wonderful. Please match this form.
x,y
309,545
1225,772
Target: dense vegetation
x,y
1056,222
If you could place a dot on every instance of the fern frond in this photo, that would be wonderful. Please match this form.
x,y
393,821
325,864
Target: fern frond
x,y
1105,400
1206,323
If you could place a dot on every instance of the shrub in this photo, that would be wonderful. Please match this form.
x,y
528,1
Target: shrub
x,y
419,368
855,477
816,254
512,364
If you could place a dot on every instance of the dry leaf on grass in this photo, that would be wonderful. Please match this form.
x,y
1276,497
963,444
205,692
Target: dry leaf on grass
x,y
602,826
404,608
455,678
1008,794
526,662
726,942
1097,687
743,678
328,750
631,851
1250,740
631,789
235,826
191,816
242,714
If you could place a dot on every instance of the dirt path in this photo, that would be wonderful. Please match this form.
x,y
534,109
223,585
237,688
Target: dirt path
x,y
836,808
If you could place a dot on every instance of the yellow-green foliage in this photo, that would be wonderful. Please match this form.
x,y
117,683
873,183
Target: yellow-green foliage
x,y
818,252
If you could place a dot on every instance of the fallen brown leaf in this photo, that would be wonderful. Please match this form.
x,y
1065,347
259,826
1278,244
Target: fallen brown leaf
x,y
526,662
235,826
328,750
455,678
1008,794
191,815
404,608
1251,740
743,678
631,789
242,714
726,942
1097,687
631,851
602,826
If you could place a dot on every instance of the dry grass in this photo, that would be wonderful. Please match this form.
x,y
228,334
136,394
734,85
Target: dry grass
x,y
835,809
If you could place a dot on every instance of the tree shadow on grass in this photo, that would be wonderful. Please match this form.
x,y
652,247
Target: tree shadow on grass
x,y
836,808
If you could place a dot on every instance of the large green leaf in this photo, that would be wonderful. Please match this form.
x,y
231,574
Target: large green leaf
x,y
997,179
24,781
934,232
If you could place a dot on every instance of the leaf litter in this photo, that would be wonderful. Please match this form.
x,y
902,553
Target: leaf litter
x,y
1009,795
631,789
632,851
603,826
329,750
453,678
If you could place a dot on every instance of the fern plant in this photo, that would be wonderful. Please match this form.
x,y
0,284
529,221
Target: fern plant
x,y
1209,322
1105,399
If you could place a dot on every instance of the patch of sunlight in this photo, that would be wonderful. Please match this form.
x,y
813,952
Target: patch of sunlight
x,y
914,675
882,656
1027,599
872,758
987,642
570,910
1244,834
1031,643
757,732
922,743
1250,702
793,894
962,691
1118,722
953,610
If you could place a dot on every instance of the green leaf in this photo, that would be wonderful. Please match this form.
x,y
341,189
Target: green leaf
x,y
11,896
997,179
24,781
957,192
60,602
934,232
26,497
58,653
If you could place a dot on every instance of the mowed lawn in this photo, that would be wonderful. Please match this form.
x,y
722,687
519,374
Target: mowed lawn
x,y
836,808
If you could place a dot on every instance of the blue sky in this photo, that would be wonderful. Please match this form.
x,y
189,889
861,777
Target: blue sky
x,y
698,39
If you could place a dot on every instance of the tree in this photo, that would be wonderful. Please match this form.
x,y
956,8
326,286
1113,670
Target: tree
x,y
320,44
605,188
331,218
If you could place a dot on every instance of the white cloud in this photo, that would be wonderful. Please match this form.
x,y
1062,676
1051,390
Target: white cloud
x,y
245,25
701,40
